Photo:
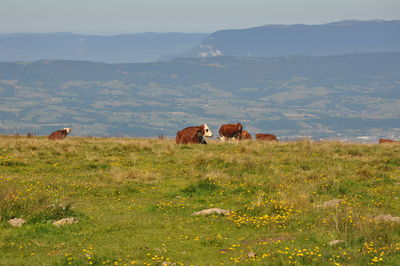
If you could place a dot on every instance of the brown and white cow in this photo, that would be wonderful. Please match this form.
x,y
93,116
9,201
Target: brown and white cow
x,y
245,135
267,137
60,134
387,141
193,135
230,131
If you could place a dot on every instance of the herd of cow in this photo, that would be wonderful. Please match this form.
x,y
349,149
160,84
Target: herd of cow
x,y
198,134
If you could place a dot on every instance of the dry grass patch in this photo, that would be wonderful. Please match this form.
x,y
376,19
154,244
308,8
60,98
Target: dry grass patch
x,y
120,175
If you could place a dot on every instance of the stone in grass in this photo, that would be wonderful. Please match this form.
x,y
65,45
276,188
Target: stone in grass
x,y
334,203
65,221
251,254
387,218
336,242
16,222
212,211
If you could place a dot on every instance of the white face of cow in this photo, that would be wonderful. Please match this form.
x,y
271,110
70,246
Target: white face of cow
x,y
207,131
67,129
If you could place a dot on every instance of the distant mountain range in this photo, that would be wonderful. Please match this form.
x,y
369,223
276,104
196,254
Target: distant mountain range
x,y
343,37
321,96
143,47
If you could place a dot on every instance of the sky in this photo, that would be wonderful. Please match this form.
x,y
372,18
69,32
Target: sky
x,y
108,17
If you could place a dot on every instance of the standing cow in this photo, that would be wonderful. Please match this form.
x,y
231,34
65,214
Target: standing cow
x,y
60,134
267,137
193,135
230,131
245,135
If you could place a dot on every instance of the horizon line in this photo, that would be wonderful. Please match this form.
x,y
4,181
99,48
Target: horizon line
x,y
190,32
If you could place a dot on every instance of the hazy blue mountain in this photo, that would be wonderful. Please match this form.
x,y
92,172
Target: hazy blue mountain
x,y
329,96
336,38
143,47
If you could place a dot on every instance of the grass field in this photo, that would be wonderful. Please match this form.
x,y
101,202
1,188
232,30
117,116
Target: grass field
x,y
134,199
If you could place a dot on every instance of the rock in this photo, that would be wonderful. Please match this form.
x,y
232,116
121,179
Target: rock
x,y
336,242
334,203
212,211
16,222
251,254
387,218
65,221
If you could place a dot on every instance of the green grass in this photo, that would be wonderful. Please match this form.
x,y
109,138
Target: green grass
x,y
134,199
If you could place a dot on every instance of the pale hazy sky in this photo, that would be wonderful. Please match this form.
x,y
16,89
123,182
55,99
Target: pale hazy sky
x,y
132,16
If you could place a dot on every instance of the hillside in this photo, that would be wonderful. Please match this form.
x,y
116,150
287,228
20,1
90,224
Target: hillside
x,y
127,48
332,96
302,203
343,37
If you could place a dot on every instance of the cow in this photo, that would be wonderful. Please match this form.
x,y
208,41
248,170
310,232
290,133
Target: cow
x,y
387,141
230,131
245,135
267,137
60,134
193,135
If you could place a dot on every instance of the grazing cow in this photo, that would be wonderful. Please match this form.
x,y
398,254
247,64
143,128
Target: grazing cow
x,y
60,134
230,131
193,135
267,137
245,135
387,141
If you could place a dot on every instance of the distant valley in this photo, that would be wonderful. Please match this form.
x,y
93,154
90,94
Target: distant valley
x,y
319,96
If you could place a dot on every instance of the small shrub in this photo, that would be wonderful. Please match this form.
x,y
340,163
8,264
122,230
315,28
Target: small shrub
x,y
204,186
354,152
52,212
393,162
94,166
10,161
36,209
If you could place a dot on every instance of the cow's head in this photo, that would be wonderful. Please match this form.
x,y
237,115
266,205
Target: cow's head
x,y
206,131
239,127
239,130
68,130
